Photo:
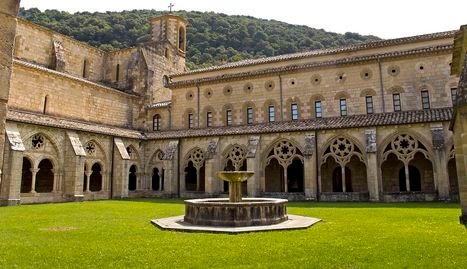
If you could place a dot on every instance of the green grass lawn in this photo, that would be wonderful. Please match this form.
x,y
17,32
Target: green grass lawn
x,y
119,234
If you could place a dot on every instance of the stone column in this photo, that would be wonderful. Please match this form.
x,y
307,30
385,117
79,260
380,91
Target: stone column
x,y
253,163
211,184
309,166
88,179
440,168
11,183
33,181
253,183
8,12
372,165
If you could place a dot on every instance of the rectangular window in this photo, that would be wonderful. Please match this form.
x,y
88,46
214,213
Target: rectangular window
x,y
249,115
453,96
318,111
425,100
156,122
369,104
396,100
117,73
190,120
209,119
272,114
343,107
294,111
85,71
228,117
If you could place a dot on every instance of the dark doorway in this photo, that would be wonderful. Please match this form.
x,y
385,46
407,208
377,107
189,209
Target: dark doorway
x,y
337,180
274,174
45,177
295,176
415,180
26,176
155,179
95,180
190,177
132,178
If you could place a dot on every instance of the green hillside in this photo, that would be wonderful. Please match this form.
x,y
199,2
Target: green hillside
x,y
213,38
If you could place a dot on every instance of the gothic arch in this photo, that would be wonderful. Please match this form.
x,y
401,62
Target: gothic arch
x,y
236,154
343,166
133,152
194,169
94,149
53,150
406,164
283,167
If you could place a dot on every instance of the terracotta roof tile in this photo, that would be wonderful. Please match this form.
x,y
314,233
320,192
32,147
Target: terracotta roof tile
x,y
367,45
356,121
298,67
47,120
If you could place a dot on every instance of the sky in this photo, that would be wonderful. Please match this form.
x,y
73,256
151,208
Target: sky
x,y
385,19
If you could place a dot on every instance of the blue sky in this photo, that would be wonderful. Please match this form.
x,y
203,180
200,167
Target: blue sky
x,y
386,19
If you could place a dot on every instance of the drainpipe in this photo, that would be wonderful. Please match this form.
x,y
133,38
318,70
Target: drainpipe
x,y
318,187
112,169
281,97
381,85
178,167
170,117
197,86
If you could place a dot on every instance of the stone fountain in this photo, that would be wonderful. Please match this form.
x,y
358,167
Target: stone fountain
x,y
235,214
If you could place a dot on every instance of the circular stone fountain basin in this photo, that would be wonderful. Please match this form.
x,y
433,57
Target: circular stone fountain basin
x,y
222,213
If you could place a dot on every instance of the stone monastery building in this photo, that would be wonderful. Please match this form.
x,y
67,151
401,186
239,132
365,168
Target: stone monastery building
x,y
367,122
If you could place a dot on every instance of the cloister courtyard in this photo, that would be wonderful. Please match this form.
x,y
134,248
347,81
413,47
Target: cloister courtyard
x,y
118,233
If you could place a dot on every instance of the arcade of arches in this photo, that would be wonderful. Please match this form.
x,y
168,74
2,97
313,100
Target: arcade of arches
x,y
285,167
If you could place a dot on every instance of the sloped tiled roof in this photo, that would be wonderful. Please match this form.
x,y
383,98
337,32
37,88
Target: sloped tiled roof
x,y
297,67
51,121
356,121
299,55
159,104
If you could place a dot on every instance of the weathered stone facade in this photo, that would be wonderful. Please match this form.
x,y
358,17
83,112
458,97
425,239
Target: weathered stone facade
x,y
367,122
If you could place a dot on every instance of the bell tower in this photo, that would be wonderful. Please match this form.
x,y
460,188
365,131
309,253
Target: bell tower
x,y
169,33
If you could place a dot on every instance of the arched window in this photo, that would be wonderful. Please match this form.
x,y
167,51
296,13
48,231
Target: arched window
x,y
156,122
132,178
117,73
26,176
85,71
181,39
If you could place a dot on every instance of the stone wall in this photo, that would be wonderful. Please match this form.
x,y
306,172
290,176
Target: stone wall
x,y
68,97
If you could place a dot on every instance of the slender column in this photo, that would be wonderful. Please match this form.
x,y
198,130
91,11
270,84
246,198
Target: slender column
x,y
407,179
344,189
88,179
160,181
33,181
56,181
286,187
197,179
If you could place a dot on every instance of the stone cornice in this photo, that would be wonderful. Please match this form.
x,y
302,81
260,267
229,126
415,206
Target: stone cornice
x,y
314,65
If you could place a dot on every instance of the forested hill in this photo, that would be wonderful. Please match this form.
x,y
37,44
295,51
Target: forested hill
x,y
213,38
